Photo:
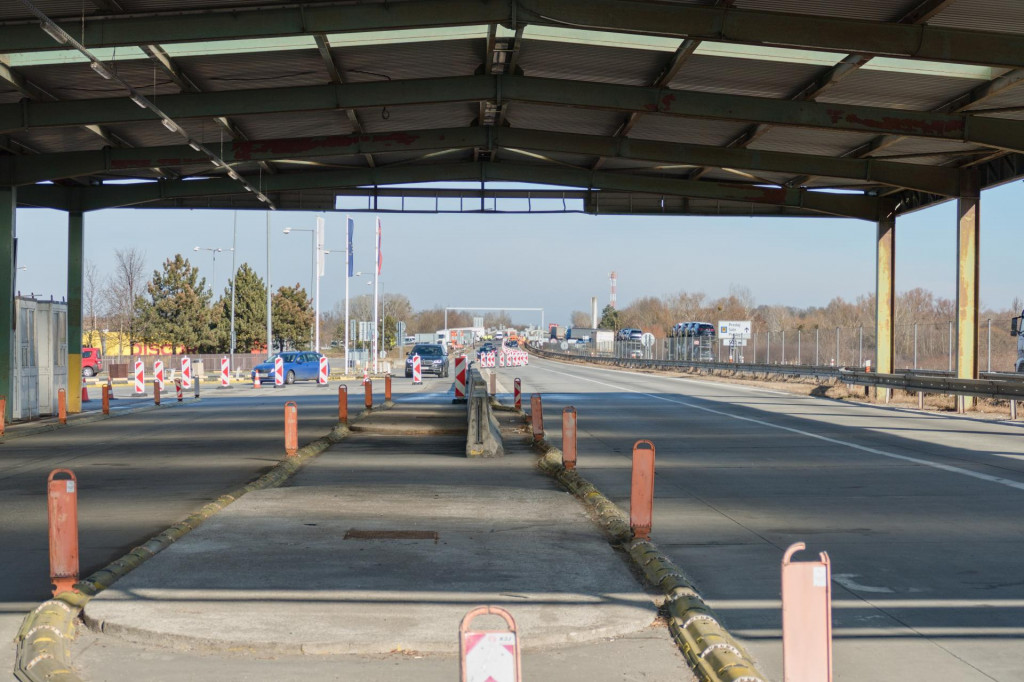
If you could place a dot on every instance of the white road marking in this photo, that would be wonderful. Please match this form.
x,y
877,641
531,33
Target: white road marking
x,y
847,581
863,448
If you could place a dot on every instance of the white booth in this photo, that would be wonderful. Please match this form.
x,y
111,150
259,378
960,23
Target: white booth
x,y
40,356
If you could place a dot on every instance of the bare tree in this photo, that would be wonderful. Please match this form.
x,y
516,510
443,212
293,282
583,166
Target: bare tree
x,y
127,284
92,297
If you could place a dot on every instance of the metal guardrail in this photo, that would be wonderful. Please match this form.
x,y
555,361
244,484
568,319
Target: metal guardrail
x,y
990,385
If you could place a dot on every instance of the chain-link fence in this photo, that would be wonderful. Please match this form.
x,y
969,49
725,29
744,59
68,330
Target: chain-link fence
x,y
922,345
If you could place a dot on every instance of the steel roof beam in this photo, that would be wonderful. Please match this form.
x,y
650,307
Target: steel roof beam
x,y
933,179
720,24
846,205
999,133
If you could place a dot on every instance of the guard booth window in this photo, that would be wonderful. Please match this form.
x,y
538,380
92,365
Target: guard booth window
x,y
28,338
60,339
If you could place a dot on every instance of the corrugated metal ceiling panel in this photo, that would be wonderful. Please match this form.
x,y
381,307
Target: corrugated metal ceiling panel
x,y
78,81
686,130
1003,16
55,9
50,140
273,126
808,141
708,73
251,70
445,115
409,60
897,90
563,119
931,150
870,10
571,61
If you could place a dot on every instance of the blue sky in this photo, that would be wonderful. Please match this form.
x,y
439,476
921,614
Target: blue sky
x,y
554,261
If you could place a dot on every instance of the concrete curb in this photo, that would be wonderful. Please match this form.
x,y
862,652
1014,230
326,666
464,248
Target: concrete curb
x,y
44,639
483,435
713,654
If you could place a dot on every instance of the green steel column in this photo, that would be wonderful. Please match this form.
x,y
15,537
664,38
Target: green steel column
x,y
8,202
968,238
76,243
885,294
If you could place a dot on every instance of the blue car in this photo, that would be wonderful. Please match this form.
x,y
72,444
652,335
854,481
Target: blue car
x,y
298,366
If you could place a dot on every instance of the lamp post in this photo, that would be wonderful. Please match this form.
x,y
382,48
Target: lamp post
x,y
213,279
318,249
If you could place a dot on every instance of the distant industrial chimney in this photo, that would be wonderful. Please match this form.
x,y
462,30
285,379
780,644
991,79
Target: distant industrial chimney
x,y
611,299
593,312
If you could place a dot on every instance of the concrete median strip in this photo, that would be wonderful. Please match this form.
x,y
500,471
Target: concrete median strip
x,y
713,654
44,639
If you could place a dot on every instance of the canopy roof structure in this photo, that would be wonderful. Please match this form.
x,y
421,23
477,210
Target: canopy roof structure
x,y
857,109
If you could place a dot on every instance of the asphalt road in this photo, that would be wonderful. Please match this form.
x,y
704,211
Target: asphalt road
x,y
919,513
139,473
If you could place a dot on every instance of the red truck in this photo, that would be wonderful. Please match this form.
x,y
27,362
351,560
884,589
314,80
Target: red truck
x,y
92,364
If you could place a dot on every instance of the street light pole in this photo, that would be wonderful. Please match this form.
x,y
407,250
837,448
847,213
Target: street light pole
x,y
234,276
213,282
314,283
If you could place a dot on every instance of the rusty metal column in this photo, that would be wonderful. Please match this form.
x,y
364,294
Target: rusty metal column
x,y
968,234
885,294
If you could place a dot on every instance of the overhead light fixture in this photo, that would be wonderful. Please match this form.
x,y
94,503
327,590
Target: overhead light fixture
x,y
101,70
169,124
247,188
141,103
54,32
233,175
195,147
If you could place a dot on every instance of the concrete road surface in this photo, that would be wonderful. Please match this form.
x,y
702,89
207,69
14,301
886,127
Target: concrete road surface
x,y
920,513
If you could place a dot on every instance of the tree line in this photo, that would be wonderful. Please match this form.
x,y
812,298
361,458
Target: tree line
x,y
175,306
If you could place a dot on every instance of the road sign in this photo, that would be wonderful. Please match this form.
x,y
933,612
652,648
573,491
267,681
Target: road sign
x,y
564,345
400,330
730,341
739,329
647,339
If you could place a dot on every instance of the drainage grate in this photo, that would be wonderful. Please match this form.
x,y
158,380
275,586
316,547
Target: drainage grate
x,y
353,534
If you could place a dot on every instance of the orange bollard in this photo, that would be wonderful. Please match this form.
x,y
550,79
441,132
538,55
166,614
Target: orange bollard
x,y
3,413
62,512
387,387
537,417
62,406
156,392
493,384
641,490
806,617
343,404
569,438
368,386
291,428
518,393
105,391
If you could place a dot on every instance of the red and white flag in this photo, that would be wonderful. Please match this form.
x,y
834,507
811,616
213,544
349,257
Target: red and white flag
x,y
380,254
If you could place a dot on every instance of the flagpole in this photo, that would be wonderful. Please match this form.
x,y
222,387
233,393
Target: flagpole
x,y
376,275
348,274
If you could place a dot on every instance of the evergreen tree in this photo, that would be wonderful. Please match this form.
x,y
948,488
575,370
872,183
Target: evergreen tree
x,y
609,318
174,310
250,313
292,317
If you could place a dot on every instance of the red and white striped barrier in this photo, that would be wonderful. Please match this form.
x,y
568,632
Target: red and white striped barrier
x,y
278,371
321,378
501,360
186,373
417,370
225,372
140,377
158,373
460,377
177,389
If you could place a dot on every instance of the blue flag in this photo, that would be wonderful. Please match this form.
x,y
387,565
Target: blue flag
x,y
348,249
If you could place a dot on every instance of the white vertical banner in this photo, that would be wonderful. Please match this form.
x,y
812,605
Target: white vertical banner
x,y
351,225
